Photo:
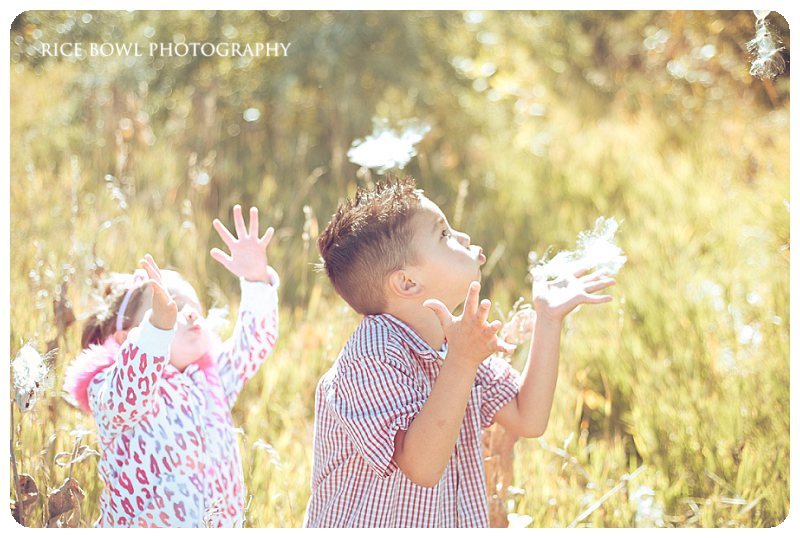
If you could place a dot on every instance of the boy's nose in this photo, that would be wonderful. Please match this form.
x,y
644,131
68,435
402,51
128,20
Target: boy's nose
x,y
463,238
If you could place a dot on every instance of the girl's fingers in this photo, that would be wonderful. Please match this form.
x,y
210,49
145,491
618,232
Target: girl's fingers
x,y
223,232
267,237
150,267
253,222
220,256
238,221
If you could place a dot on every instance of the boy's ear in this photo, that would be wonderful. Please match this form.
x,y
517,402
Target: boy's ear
x,y
403,284
120,336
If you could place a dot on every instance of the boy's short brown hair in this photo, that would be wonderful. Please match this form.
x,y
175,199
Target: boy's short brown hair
x,y
366,239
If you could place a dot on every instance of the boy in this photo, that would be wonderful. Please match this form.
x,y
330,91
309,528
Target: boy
x,y
398,417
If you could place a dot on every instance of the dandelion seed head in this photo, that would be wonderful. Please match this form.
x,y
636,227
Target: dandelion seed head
x,y
767,62
29,376
594,249
386,148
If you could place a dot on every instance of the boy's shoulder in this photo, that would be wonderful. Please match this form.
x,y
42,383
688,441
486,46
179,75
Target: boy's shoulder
x,y
385,336
388,330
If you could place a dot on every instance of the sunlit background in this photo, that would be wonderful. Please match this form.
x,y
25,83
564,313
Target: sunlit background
x,y
672,407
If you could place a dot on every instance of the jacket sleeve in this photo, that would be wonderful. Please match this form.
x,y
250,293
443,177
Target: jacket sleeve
x,y
122,394
253,335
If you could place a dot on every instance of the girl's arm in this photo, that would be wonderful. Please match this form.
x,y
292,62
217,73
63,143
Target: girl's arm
x,y
253,336
126,391
257,324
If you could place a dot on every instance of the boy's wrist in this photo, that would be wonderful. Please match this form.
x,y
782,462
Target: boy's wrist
x,y
543,318
461,362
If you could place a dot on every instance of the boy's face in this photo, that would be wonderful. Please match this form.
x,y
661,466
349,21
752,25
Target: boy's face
x,y
448,263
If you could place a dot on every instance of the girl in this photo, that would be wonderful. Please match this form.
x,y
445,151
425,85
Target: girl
x,y
160,389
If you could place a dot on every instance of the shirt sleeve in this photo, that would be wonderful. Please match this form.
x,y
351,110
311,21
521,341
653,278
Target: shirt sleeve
x,y
374,397
499,383
253,335
124,392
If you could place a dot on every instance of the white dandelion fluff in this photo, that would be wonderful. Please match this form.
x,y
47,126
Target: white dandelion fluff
x,y
387,148
29,373
768,62
595,249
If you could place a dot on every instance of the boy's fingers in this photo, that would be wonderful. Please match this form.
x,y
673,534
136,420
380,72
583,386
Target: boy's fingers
x,y
483,310
597,299
503,346
471,303
580,271
596,275
599,285
441,311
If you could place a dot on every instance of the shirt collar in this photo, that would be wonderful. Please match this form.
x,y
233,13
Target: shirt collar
x,y
410,336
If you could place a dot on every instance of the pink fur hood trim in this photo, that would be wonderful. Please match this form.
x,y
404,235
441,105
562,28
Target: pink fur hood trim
x,y
85,366
96,358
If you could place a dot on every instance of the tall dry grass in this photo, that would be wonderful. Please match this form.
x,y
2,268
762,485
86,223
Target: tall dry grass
x,y
672,406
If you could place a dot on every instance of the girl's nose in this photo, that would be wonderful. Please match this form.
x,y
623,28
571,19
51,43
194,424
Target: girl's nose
x,y
190,313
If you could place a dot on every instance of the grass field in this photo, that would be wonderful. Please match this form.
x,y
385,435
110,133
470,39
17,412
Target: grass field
x,y
679,385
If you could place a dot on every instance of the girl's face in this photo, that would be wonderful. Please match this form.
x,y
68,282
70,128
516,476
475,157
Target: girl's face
x,y
191,339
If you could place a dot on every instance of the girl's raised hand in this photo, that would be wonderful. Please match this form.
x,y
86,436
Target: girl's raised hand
x,y
248,257
165,309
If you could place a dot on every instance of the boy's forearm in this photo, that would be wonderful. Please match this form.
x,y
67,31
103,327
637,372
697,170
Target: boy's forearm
x,y
422,451
535,397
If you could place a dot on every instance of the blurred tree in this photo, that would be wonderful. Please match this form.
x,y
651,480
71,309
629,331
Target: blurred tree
x,y
272,130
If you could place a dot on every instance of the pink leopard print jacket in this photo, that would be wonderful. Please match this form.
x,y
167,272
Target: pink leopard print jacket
x,y
169,453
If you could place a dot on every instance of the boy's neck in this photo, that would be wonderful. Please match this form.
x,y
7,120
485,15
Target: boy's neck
x,y
422,320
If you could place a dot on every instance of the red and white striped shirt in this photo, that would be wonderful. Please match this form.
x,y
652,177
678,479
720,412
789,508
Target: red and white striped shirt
x,y
377,385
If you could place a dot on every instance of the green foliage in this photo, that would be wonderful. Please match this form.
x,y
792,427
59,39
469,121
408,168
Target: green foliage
x,y
541,122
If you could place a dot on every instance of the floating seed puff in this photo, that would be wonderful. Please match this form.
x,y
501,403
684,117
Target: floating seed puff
x,y
595,249
29,376
385,148
765,47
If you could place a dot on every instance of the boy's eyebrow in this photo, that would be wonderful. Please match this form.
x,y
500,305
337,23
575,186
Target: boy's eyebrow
x,y
437,223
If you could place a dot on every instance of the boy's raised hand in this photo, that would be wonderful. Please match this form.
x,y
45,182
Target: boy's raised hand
x,y
165,309
557,298
248,257
469,335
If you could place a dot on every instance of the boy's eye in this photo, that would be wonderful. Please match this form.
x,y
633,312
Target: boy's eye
x,y
446,233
